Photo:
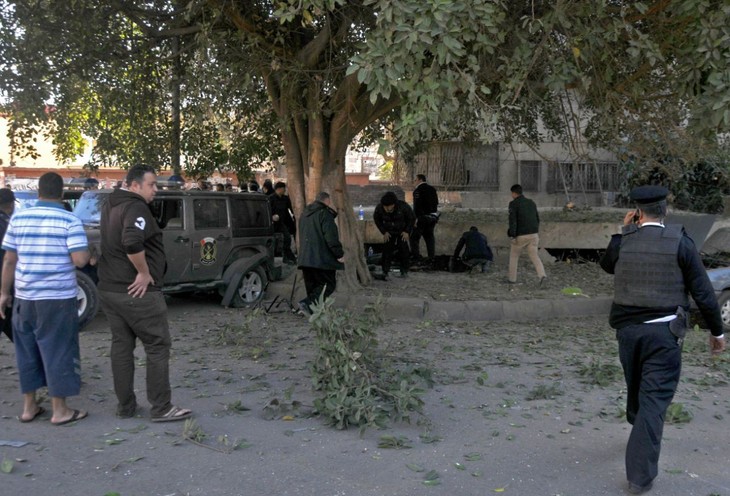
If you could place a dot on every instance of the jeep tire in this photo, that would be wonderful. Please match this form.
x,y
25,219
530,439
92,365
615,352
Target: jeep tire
x,y
251,289
88,298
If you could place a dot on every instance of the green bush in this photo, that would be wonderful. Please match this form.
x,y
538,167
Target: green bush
x,y
357,386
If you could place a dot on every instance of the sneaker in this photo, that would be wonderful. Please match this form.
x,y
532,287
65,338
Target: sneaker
x,y
507,281
542,282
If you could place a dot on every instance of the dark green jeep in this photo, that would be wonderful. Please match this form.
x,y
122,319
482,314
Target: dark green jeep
x,y
214,241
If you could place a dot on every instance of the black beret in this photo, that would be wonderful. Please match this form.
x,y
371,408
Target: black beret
x,y
280,184
644,195
6,196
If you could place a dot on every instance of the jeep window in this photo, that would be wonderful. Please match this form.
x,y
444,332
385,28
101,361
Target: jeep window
x,y
247,214
210,214
88,208
168,212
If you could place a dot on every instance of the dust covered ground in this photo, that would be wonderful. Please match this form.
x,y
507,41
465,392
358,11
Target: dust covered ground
x,y
521,409
567,279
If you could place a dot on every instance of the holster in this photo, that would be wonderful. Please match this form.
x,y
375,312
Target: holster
x,y
678,326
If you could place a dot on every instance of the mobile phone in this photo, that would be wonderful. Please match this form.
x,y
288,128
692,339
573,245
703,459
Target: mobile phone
x,y
636,216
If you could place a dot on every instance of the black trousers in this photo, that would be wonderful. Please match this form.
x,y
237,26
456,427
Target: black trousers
x,y
652,362
316,281
425,225
395,244
287,252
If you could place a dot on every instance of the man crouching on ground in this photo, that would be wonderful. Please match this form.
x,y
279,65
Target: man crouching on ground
x,y
131,269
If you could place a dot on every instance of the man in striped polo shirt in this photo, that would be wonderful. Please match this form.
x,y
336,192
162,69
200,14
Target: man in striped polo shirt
x,y
43,246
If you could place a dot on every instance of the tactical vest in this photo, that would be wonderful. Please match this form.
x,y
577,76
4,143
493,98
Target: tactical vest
x,y
647,273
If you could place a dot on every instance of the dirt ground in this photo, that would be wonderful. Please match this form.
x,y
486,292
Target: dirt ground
x,y
521,409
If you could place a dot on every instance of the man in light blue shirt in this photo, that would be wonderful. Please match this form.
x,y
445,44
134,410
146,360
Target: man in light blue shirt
x,y
43,246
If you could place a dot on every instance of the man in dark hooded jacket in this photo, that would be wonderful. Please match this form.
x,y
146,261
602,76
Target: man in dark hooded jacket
x,y
320,251
395,219
477,250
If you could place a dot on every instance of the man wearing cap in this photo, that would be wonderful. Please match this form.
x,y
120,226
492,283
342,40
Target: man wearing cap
x,y
281,214
394,218
7,207
655,268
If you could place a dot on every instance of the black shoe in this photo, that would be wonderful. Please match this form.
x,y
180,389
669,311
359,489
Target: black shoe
x,y
304,309
404,275
637,489
507,281
543,280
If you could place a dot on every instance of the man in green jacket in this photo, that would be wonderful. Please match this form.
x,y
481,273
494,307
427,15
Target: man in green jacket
x,y
320,251
524,224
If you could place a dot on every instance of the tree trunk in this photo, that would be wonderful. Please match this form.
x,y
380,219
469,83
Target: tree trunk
x,y
324,172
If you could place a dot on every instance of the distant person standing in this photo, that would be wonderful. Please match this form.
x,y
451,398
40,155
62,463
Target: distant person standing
x,y
656,268
131,271
283,217
425,206
394,219
320,252
268,187
7,207
524,224
43,246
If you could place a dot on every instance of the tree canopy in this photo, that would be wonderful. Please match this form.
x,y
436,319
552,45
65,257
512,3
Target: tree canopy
x,y
309,75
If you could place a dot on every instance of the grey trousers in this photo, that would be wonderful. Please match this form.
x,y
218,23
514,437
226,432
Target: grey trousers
x,y
144,319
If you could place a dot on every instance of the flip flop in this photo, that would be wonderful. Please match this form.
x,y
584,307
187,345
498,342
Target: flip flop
x,y
77,415
176,413
40,412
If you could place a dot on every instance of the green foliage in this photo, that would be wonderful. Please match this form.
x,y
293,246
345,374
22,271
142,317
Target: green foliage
x,y
697,182
544,392
357,386
598,373
677,413
247,338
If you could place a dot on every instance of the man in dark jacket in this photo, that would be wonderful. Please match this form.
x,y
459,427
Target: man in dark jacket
x,y
320,252
425,206
524,224
394,218
131,271
7,207
281,214
477,251
655,268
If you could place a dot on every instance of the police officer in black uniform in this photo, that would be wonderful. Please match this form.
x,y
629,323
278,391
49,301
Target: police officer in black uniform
x,y
655,267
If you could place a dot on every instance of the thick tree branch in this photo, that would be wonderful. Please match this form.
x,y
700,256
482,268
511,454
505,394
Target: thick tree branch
x,y
309,54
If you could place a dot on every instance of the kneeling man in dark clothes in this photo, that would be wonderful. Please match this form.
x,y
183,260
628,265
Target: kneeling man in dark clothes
x,y
395,219
656,267
476,249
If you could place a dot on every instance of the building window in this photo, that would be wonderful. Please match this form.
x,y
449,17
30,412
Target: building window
x,y
588,177
530,175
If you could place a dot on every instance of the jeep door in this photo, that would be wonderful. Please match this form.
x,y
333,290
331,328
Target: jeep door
x,y
170,216
211,238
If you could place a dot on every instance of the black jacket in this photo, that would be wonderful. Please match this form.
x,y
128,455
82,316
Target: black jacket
x,y
523,217
319,242
695,280
128,227
281,205
400,220
425,200
476,246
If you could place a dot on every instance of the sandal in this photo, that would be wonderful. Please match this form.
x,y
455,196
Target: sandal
x,y
176,413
